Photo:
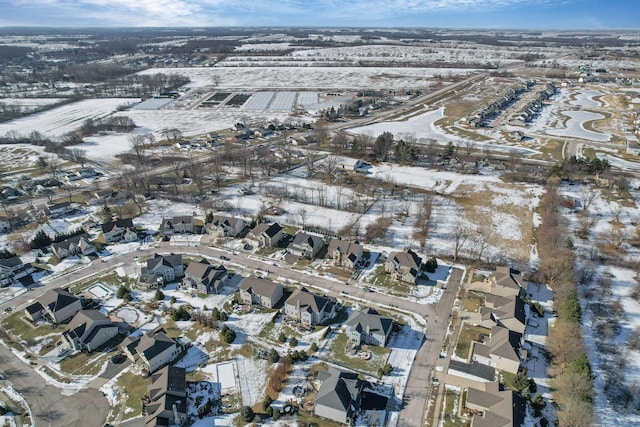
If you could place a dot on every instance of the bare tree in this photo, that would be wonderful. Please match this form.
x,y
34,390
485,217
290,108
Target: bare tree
x,y
137,142
321,131
78,156
461,233
587,196
178,171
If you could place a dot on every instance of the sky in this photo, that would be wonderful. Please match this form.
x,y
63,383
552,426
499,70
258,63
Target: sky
x,y
507,14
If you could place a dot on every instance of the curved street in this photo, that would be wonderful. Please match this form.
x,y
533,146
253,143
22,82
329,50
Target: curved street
x,y
51,408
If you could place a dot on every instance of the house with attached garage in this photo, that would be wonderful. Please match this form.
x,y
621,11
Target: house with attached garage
x,y
495,407
88,330
368,327
266,235
121,230
339,396
178,225
501,350
226,226
509,312
504,282
167,393
204,277
152,350
309,308
58,209
306,245
57,305
266,293
406,265
76,245
162,269
12,269
345,254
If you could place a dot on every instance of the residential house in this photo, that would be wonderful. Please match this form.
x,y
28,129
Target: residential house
x,y
205,277
306,245
167,398
226,226
266,293
465,375
266,235
309,308
506,281
406,265
76,245
162,269
345,254
12,269
88,330
119,230
339,396
368,327
59,209
509,312
495,407
501,350
178,225
153,350
56,304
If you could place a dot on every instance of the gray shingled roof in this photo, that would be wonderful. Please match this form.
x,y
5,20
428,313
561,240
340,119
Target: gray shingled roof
x,y
369,320
57,299
83,321
308,300
259,286
341,391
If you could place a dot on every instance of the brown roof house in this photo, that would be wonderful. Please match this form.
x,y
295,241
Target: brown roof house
x,y
309,308
495,407
76,245
121,230
504,282
88,330
205,277
345,254
368,327
406,265
306,245
56,304
339,396
266,235
508,312
162,269
167,398
500,350
266,293
226,226
153,350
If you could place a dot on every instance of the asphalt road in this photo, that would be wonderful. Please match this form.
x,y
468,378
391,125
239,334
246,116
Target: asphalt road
x,y
436,315
87,408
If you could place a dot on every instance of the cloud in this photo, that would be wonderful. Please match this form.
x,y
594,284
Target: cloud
x,y
243,12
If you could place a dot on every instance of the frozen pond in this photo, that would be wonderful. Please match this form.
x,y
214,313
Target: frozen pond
x,y
584,98
574,127
129,315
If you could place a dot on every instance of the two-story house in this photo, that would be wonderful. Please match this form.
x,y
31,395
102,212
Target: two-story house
x,y
309,308
406,265
57,305
121,230
12,269
167,397
345,254
177,225
266,293
368,327
88,330
205,277
152,350
76,245
265,235
162,269
226,226
306,245
339,396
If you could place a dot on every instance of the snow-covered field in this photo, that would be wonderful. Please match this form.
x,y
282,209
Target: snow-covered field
x,y
574,127
60,120
314,78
